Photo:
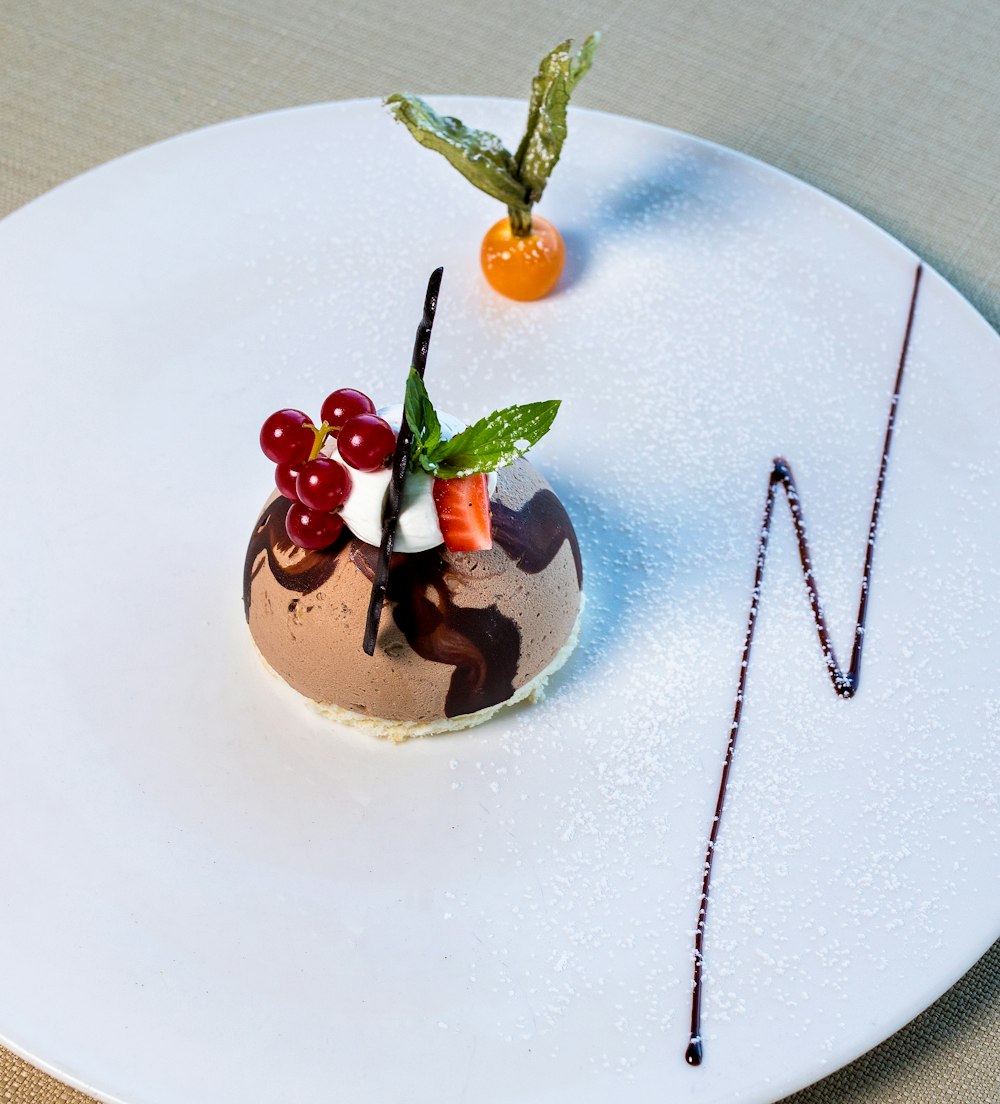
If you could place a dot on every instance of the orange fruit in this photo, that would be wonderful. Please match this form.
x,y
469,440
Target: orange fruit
x,y
523,267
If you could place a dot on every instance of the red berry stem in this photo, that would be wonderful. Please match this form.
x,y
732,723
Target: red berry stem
x,y
320,434
400,464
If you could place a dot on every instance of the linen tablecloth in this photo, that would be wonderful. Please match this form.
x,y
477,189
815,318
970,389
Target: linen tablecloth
x,y
891,106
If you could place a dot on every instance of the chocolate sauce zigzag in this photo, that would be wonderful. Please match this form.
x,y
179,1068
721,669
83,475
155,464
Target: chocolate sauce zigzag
x,y
845,683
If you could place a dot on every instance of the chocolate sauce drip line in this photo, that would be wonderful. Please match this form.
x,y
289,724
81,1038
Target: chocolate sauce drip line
x,y
844,683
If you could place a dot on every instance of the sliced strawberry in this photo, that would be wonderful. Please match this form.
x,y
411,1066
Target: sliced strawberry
x,y
463,509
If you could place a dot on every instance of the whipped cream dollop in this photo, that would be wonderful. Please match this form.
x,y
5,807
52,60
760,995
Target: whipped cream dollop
x,y
418,528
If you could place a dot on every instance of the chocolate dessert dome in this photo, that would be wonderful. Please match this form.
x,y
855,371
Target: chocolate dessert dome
x,y
413,574
461,634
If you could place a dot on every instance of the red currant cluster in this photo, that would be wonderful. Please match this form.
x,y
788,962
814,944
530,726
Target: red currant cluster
x,y
316,485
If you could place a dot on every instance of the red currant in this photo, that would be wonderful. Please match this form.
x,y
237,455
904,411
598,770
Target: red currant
x,y
286,437
311,529
366,442
284,479
323,484
344,404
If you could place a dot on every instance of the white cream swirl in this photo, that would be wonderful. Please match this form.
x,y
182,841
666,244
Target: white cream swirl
x,y
418,527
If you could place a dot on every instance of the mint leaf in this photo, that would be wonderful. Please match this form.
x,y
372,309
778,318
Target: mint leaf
x,y
492,442
477,154
421,417
489,444
540,148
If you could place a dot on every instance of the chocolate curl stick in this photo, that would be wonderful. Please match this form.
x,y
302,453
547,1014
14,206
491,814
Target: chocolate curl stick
x,y
400,465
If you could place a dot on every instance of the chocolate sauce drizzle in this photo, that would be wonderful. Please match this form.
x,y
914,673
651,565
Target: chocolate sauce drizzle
x,y
545,521
304,575
483,645
844,683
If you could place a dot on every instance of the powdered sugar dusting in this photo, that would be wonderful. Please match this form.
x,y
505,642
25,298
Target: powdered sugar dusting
x,y
515,905
688,355
505,913
592,805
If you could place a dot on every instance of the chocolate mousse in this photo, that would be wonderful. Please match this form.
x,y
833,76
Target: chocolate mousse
x,y
413,574
461,633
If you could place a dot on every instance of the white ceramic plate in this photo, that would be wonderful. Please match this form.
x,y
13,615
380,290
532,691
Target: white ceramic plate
x,y
209,895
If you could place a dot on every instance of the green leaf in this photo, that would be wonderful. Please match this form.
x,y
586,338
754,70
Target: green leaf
x,y
493,441
421,417
479,155
540,148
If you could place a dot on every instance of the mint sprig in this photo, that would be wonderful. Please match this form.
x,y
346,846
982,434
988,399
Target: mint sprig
x,y
491,443
516,179
422,419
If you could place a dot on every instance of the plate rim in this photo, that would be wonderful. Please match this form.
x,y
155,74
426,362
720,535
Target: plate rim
x,y
31,208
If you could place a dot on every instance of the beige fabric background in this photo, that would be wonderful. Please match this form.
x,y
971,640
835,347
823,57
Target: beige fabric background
x,y
891,105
